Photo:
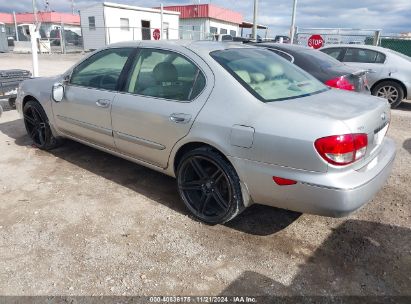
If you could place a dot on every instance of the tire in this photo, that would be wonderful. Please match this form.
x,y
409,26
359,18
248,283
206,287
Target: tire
x,y
390,90
12,102
209,186
38,127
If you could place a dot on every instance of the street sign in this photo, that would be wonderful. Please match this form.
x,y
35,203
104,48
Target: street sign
x,y
315,41
156,34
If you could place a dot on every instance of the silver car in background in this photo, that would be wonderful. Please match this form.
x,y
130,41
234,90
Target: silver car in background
x,y
234,124
389,72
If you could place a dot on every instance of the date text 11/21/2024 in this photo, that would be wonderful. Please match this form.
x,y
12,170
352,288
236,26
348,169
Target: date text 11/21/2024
x,y
202,299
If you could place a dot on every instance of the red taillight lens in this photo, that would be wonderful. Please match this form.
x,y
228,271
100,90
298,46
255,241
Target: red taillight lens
x,y
342,150
283,181
341,83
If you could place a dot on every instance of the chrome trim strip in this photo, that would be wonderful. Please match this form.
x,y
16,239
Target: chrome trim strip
x,y
138,141
82,124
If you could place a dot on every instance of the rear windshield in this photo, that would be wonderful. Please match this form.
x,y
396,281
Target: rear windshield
x,y
321,59
266,75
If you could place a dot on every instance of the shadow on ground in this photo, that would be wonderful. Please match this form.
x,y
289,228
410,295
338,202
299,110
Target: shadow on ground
x,y
358,258
407,145
257,220
405,105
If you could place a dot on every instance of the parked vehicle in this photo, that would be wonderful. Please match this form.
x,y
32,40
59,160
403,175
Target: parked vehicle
x,y
285,39
70,37
323,67
9,82
235,125
389,72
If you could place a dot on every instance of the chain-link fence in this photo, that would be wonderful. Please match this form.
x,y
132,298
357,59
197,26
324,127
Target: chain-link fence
x,y
318,37
397,43
336,36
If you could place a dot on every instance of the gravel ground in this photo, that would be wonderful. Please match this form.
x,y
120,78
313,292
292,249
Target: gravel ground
x,y
77,221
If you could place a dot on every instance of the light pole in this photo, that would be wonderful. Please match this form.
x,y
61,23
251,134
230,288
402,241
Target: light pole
x,y
292,29
33,29
255,20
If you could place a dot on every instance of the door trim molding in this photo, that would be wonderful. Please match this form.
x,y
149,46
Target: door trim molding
x,y
85,125
138,141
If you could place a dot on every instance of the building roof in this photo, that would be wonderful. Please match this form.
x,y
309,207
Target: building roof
x,y
194,11
137,8
246,24
46,17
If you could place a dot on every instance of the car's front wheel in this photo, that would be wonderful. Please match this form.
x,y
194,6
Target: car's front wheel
x,y
209,186
390,90
37,126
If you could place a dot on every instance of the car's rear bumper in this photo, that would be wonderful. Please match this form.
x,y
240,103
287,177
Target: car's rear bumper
x,y
329,194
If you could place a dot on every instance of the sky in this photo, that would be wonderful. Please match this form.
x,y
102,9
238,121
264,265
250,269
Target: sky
x,y
392,16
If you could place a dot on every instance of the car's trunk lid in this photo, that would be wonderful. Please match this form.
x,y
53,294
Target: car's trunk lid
x,y
360,113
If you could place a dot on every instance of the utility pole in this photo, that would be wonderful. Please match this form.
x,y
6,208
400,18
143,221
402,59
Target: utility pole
x,y
33,29
72,7
292,28
35,11
255,20
15,26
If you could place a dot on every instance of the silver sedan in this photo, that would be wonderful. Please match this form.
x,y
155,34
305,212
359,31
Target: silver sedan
x,y
236,125
389,72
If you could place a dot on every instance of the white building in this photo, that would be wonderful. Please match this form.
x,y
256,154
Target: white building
x,y
106,23
198,21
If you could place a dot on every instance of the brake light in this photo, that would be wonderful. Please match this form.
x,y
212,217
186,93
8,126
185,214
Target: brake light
x,y
342,150
341,83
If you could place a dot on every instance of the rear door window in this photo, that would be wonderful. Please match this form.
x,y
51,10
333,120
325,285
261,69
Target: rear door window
x,y
363,56
165,74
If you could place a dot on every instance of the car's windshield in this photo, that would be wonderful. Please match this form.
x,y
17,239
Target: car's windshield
x,y
266,75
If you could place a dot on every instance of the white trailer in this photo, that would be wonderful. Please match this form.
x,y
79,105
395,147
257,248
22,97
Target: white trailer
x,y
106,23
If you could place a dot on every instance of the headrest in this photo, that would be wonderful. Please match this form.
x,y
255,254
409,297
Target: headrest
x,y
257,77
243,75
165,72
275,70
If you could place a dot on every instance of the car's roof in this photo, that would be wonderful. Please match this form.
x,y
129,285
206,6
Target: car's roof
x,y
284,46
357,46
199,46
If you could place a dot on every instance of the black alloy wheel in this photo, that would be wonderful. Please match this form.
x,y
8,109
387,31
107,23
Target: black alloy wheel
x,y
37,126
209,186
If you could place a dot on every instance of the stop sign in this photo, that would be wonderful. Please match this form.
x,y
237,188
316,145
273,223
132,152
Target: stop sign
x,y
315,41
156,34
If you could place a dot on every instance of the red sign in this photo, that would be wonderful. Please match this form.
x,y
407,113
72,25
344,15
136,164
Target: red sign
x,y
156,34
315,41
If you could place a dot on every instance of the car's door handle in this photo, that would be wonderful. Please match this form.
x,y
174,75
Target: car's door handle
x,y
180,118
103,103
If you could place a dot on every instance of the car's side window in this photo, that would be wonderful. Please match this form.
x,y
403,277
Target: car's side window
x,y
102,70
164,74
363,56
333,52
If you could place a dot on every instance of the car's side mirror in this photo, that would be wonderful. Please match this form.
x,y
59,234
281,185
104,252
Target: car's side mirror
x,y
58,92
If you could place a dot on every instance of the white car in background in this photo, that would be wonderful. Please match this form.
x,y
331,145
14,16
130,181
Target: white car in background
x,y
389,72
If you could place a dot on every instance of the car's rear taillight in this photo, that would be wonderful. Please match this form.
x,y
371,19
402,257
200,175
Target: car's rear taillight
x,y
342,150
342,83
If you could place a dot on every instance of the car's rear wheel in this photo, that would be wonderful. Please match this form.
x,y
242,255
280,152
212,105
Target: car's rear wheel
x,y
390,90
209,186
37,126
